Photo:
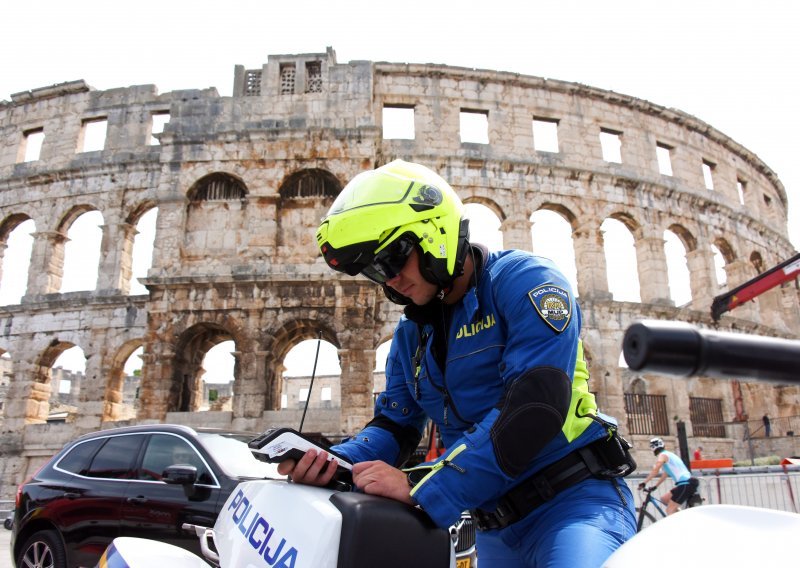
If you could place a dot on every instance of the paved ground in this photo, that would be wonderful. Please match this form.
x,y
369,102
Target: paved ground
x,y
5,553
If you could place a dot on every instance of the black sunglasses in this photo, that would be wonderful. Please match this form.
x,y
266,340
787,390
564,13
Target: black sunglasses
x,y
388,263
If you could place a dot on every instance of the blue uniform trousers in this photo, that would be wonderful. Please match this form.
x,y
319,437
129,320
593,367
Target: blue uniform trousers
x,y
579,528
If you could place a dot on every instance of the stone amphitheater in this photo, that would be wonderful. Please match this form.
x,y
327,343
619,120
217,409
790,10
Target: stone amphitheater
x,y
241,182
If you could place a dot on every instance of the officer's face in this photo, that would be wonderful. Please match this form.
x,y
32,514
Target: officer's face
x,y
410,283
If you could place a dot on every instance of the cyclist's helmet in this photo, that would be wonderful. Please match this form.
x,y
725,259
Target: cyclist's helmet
x,y
656,444
382,214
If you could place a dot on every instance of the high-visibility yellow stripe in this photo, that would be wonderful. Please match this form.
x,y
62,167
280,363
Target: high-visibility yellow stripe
x,y
575,426
437,466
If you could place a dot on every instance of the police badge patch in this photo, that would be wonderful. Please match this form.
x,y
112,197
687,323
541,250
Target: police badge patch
x,y
553,304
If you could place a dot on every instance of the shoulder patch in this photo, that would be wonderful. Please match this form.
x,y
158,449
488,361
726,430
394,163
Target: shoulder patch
x,y
553,304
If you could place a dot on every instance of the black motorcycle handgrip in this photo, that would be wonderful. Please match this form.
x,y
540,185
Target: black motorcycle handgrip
x,y
678,348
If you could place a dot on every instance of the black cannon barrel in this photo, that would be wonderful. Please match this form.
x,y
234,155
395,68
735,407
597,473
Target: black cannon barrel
x,y
679,348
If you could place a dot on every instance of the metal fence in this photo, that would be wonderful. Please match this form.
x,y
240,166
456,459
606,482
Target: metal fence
x,y
647,414
769,487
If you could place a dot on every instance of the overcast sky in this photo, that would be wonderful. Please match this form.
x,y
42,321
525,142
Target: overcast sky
x,y
732,64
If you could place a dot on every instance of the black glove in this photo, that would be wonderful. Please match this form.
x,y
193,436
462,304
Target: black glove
x,y
641,486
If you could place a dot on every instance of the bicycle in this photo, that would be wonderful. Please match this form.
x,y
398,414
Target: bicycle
x,y
645,518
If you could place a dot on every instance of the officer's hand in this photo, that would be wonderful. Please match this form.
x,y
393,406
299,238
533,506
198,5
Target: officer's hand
x,y
312,469
641,485
379,478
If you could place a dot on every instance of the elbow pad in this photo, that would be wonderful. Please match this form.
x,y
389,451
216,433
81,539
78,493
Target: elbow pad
x,y
532,413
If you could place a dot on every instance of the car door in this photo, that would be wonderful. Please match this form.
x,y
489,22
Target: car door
x,y
156,510
90,494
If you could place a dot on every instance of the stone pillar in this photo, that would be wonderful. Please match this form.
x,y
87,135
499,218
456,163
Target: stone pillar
x,y
116,252
356,388
91,396
590,257
652,261
154,390
47,263
703,279
250,386
516,233
28,396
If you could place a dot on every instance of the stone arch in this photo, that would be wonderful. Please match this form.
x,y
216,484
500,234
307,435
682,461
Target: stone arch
x,y
489,203
560,252
217,186
139,210
723,255
282,340
622,264
216,216
679,276
306,196
12,249
563,210
486,220
66,220
757,261
10,223
687,238
115,382
186,386
726,249
133,249
310,182
39,395
630,222
637,385
70,257
297,330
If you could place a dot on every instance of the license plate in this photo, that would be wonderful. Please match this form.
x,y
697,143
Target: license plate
x,y
463,563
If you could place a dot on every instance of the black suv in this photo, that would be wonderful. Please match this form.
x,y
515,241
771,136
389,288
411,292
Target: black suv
x,y
109,484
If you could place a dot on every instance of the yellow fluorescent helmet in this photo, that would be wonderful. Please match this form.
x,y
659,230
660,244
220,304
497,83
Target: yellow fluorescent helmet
x,y
380,210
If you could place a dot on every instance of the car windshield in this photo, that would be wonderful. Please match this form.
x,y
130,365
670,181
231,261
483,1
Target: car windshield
x,y
235,458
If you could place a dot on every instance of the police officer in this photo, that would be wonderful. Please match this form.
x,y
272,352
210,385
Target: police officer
x,y
488,347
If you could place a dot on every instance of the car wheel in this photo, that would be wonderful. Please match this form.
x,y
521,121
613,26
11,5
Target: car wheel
x,y
42,550
8,523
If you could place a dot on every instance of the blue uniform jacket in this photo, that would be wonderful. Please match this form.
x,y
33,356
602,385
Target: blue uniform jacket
x,y
521,315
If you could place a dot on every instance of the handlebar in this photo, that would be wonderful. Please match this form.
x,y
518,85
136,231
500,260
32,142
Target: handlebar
x,y
678,348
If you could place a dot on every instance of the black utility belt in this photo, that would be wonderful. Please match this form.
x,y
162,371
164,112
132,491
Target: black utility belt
x,y
600,459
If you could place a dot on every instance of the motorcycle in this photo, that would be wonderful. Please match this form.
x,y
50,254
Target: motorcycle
x,y
280,524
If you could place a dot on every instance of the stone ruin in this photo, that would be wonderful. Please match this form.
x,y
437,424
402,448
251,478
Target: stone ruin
x,y
241,182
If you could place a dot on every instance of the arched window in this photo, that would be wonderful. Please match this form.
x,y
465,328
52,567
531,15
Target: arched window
x,y
484,226
16,262
82,253
551,236
677,269
621,265
217,187
310,183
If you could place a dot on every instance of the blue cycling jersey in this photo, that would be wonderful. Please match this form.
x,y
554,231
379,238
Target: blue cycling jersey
x,y
675,468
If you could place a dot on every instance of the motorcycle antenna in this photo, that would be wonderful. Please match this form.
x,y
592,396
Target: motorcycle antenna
x,y
311,386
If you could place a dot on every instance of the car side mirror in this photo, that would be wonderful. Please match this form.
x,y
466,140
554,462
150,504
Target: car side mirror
x,y
182,474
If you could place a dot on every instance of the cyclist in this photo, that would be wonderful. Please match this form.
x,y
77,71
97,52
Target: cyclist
x,y
672,465
489,348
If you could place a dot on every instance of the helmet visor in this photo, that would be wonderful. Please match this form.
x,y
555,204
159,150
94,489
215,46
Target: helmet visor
x,y
389,261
